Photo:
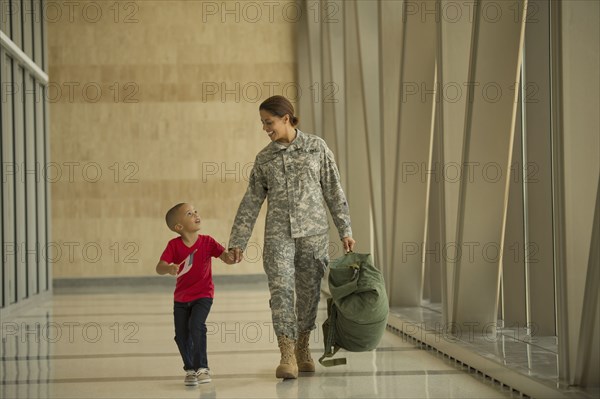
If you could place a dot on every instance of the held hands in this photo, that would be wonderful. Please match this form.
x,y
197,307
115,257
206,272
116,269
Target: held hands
x,y
227,257
348,244
236,254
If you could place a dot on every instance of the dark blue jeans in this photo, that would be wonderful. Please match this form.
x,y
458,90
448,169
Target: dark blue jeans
x,y
190,332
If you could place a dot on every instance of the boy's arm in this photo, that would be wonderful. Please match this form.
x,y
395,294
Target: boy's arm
x,y
166,268
227,258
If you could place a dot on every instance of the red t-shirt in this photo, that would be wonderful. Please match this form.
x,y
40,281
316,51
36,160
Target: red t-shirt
x,y
194,278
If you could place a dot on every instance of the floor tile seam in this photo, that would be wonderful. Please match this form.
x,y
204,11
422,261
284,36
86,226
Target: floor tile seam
x,y
237,376
266,311
175,354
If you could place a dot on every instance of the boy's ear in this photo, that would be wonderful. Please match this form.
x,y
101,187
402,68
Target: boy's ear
x,y
178,227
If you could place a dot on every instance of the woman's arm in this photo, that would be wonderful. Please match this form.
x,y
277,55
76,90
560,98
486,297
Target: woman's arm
x,y
248,210
334,195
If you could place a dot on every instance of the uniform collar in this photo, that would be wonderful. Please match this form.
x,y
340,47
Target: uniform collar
x,y
298,143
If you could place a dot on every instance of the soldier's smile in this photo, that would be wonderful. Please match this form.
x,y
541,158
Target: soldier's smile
x,y
277,128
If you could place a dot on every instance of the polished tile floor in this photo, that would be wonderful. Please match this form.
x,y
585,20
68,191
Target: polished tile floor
x,y
119,344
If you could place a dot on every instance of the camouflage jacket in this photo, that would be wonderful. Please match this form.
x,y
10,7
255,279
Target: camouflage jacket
x,y
294,179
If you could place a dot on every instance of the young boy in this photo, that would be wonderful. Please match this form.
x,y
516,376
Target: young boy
x,y
189,258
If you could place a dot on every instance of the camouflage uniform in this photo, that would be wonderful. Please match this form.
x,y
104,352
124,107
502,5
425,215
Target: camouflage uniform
x,y
295,179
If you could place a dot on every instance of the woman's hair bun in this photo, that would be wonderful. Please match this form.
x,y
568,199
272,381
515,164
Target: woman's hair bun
x,y
280,106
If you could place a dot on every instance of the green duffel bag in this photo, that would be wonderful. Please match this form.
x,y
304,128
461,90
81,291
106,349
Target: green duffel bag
x,y
358,308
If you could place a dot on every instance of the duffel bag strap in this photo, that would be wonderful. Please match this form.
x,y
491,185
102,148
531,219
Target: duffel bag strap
x,y
330,347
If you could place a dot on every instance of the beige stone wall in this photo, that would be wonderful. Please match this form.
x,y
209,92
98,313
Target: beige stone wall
x,y
154,103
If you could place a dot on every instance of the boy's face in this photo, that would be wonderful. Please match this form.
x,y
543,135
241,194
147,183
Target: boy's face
x,y
187,219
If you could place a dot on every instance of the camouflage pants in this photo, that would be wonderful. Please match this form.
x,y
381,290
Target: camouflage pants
x,y
295,265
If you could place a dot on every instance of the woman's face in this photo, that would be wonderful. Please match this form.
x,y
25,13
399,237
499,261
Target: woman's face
x,y
275,126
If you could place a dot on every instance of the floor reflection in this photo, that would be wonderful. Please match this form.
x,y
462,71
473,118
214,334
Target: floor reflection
x,y
117,344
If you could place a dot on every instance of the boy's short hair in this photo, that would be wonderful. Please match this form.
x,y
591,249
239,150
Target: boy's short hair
x,y
171,216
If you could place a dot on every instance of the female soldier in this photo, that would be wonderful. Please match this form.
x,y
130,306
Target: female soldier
x,y
295,171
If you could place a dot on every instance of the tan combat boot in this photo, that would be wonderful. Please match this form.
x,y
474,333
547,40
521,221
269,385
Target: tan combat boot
x,y
303,358
287,366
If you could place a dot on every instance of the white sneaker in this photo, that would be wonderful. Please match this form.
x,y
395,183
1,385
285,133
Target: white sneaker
x,y
191,380
203,376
